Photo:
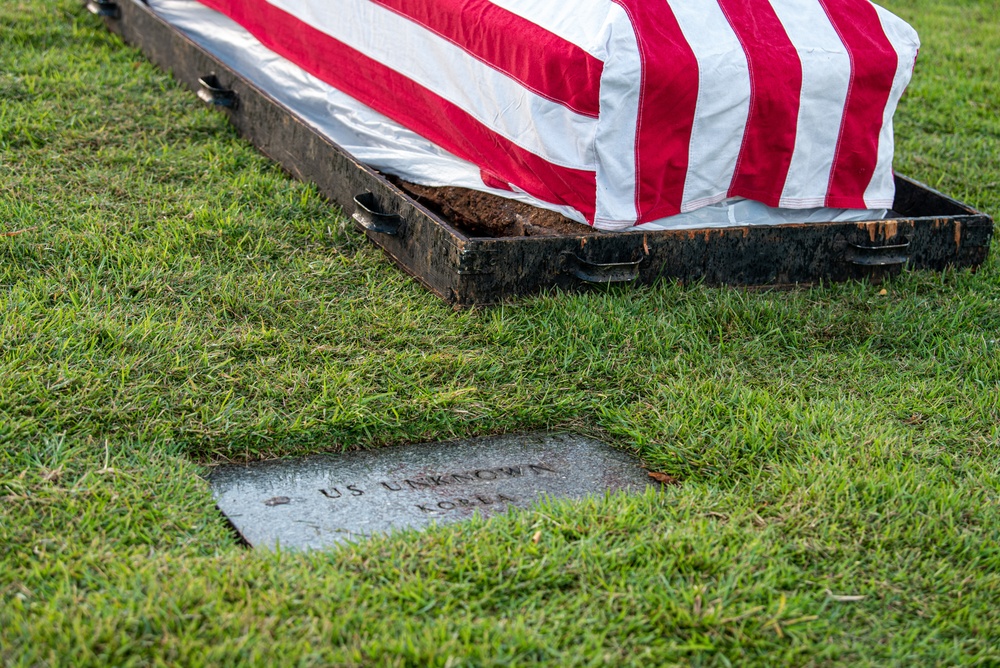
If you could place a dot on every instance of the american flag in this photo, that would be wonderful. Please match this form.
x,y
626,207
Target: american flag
x,y
627,111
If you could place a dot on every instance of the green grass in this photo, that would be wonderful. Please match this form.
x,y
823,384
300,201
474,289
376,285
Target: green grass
x,y
171,299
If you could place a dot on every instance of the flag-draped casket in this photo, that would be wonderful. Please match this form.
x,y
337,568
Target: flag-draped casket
x,y
622,112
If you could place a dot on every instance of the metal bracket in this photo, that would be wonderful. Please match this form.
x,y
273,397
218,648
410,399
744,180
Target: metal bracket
x,y
878,256
597,272
213,93
370,219
106,8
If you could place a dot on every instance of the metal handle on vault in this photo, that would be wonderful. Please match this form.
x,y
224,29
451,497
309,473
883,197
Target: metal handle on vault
x,y
367,216
213,92
878,256
106,8
601,272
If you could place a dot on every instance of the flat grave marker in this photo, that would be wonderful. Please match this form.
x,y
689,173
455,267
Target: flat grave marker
x,y
323,500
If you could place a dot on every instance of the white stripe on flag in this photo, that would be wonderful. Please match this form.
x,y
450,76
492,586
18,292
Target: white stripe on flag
x,y
723,101
545,128
881,190
616,132
580,23
826,68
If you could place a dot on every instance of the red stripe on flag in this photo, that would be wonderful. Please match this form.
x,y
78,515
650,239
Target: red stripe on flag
x,y
873,69
667,98
775,87
566,74
419,109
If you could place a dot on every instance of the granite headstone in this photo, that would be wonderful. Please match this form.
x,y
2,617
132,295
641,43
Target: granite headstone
x,y
318,501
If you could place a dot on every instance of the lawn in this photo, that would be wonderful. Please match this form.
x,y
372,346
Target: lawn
x,y
170,299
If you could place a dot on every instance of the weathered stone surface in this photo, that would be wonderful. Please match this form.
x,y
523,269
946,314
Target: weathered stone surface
x,y
327,499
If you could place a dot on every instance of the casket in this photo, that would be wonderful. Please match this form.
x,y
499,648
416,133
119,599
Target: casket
x,y
925,229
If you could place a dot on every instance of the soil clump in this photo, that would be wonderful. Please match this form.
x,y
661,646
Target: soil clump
x,y
481,214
